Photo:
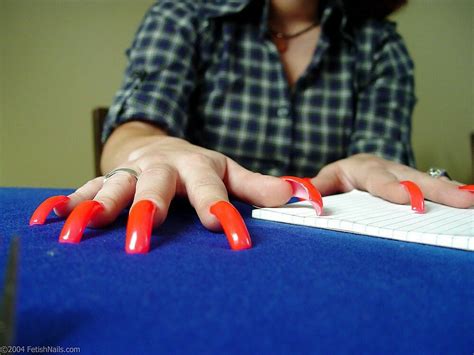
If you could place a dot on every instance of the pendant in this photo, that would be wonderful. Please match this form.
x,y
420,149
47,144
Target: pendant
x,y
280,42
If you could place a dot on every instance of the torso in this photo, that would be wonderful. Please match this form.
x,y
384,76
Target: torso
x,y
254,106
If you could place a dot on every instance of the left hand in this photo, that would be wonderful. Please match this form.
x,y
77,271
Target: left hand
x,y
382,178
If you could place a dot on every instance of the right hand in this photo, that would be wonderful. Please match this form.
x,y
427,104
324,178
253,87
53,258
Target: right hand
x,y
169,166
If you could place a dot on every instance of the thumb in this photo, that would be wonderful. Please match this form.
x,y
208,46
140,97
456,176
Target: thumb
x,y
254,188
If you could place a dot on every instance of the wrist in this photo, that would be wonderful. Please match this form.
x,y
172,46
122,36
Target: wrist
x,y
125,140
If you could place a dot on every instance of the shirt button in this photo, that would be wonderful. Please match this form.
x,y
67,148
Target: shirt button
x,y
283,111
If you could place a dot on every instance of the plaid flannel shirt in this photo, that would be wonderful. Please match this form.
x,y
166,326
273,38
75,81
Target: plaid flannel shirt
x,y
207,71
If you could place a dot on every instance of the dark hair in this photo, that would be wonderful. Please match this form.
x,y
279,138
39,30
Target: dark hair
x,y
360,10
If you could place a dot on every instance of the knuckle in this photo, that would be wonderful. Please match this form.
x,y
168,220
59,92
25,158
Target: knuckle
x,y
80,194
152,195
86,190
162,170
205,191
197,159
109,202
136,154
374,164
202,183
90,185
147,162
118,182
406,170
202,204
122,179
264,195
368,160
372,183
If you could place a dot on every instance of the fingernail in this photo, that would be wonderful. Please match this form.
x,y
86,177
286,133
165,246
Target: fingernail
x,y
77,221
233,225
469,188
305,190
139,227
416,196
45,208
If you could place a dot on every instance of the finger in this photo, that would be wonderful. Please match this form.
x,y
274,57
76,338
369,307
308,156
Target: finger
x,y
438,190
377,181
155,189
85,192
382,183
42,211
255,188
233,225
329,182
115,195
204,188
158,185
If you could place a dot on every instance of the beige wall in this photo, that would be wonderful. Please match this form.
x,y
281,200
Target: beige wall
x,y
61,58
440,37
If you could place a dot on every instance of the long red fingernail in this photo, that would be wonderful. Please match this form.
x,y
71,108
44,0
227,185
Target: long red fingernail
x,y
305,190
233,225
416,196
139,227
78,220
45,208
469,188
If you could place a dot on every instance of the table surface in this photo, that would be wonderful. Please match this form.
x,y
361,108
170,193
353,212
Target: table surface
x,y
299,289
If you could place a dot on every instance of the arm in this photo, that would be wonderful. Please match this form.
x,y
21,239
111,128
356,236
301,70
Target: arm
x,y
145,128
385,95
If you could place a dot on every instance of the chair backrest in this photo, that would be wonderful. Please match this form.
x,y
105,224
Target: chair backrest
x,y
98,118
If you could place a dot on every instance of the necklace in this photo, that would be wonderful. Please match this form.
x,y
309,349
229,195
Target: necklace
x,y
281,39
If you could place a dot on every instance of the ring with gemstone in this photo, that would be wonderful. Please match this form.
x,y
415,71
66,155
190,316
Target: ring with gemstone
x,y
438,172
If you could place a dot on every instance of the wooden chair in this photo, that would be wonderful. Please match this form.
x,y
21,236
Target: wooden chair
x,y
98,117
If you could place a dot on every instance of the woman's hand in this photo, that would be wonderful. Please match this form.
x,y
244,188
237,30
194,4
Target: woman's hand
x,y
382,178
166,166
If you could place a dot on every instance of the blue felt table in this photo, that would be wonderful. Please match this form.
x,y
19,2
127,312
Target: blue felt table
x,y
298,290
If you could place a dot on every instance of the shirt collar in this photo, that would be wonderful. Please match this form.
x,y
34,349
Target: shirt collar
x,y
218,8
333,15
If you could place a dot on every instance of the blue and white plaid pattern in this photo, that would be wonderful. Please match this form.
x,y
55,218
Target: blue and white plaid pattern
x,y
207,71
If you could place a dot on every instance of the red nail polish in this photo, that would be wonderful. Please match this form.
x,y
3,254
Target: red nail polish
x,y
233,225
469,188
139,227
78,220
45,208
416,196
305,190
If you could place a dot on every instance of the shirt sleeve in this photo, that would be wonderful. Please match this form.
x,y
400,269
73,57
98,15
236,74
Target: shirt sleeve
x,y
385,96
160,75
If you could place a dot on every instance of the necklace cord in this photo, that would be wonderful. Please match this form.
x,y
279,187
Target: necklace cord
x,y
293,35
